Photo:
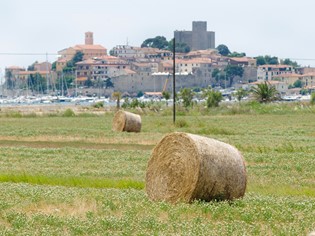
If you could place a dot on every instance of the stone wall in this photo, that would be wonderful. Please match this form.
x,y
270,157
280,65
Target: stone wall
x,y
156,83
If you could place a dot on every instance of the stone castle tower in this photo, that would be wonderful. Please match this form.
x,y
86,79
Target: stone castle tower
x,y
197,39
89,38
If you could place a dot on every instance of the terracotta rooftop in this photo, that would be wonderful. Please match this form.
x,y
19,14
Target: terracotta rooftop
x,y
275,66
89,47
167,63
242,59
272,82
205,52
194,61
15,68
33,72
142,64
308,74
288,75
128,71
105,60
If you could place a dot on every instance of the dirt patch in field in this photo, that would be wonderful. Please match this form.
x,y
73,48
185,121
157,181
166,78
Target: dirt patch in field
x,y
78,208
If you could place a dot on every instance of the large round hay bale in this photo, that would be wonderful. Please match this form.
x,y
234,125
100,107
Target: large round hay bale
x,y
126,121
186,167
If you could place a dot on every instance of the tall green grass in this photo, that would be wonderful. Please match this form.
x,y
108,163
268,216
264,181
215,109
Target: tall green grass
x,y
71,181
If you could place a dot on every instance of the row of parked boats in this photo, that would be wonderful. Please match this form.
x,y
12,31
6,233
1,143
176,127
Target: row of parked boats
x,y
84,100
52,100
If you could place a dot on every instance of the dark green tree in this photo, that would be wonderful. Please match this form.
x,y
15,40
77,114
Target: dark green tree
x,y
159,42
213,98
240,93
179,47
54,66
288,62
215,73
10,84
78,56
223,50
219,76
32,67
269,60
260,60
111,52
265,92
140,94
187,95
109,83
233,71
70,66
298,84
37,83
88,83
237,54
166,95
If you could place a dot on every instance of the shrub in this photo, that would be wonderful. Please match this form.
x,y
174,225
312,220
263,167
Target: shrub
x,y
213,98
187,95
265,92
98,105
14,114
181,123
68,113
312,98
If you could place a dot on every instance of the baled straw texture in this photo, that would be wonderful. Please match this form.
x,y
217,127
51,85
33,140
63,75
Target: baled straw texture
x,y
186,167
126,121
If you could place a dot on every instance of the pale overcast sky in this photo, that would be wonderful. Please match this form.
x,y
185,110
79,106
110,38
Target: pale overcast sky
x,y
282,28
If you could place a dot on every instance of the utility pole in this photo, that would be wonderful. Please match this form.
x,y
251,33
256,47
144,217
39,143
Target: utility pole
x,y
1,84
47,77
174,91
76,84
62,78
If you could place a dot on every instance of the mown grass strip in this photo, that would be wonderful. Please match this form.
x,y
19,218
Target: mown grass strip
x,y
285,190
72,181
74,144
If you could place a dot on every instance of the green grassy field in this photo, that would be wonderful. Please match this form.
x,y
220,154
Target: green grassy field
x,y
74,176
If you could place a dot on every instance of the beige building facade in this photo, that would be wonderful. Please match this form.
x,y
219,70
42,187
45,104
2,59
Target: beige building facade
x,y
89,49
268,72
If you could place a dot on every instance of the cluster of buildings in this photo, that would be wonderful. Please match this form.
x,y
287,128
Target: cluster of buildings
x,y
133,69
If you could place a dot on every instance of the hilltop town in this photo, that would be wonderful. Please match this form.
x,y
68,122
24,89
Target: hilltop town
x,y
89,68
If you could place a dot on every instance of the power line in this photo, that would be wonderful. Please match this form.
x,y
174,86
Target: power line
x,y
301,59
56,54
26,54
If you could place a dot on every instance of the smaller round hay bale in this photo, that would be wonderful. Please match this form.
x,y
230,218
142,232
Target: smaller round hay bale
x,y
126,121
186,167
